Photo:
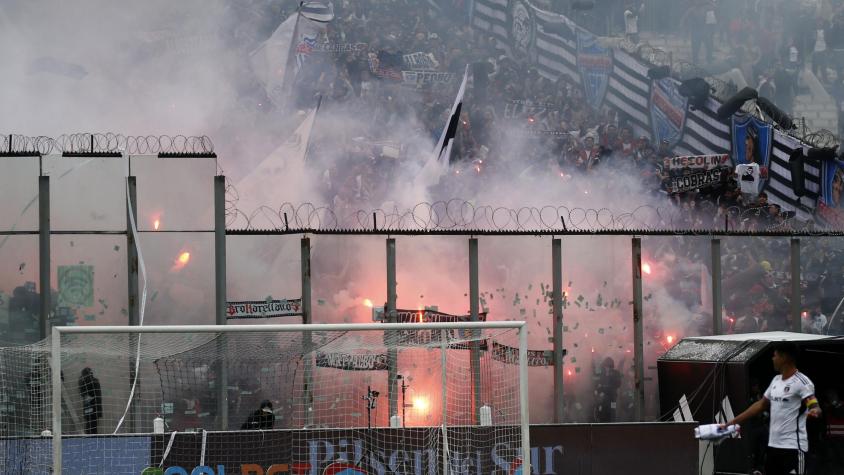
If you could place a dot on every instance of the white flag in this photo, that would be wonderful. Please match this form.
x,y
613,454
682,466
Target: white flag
x,y
278,176
278,60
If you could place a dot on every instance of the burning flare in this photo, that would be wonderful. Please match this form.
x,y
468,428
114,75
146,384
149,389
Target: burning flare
x,y
367,303
156,224
646,268
181,261
420,403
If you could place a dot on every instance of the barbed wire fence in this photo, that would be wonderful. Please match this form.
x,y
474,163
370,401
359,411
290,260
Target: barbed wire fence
x,y
463,216
106,143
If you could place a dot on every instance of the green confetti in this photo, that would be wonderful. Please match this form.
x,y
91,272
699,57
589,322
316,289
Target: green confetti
x,y
521,311
573,359
123,311
565,328
601,331
605,283
530,286
90,318
153,297
116,248
320,302
580,298
576,325
600,301
577,369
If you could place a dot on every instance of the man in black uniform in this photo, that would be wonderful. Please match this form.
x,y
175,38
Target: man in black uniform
x,y
262,419
92,400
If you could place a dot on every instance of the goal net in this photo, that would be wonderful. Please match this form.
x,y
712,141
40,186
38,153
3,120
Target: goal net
x,y
308,399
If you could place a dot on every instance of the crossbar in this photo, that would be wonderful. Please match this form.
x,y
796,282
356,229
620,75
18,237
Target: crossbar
x,y
313,327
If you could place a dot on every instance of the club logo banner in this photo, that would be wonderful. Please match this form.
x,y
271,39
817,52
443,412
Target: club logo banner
x,y
263,309
667,112
76,285
595,64
352,362
752,140
831,201
522,27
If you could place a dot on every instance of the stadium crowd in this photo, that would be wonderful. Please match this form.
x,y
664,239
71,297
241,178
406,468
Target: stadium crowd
x,y
552,130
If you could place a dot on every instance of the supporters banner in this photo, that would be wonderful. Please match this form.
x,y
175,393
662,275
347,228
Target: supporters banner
x,y
337,48
510,355
552,41
352,362
779,187
524,109
594,63
698,180
752,144
420,61
426,78
263,309
696,162
431,316
830,203
667,112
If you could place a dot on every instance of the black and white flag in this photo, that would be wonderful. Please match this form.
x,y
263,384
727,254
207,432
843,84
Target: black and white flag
x,y
443,148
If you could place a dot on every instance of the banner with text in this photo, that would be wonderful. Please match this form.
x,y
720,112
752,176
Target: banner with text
x,y
510,355
352,361
263,309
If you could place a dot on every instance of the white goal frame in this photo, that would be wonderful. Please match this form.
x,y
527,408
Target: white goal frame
x,y
58,331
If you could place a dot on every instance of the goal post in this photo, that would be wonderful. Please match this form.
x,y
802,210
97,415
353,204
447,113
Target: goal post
x,y
311,391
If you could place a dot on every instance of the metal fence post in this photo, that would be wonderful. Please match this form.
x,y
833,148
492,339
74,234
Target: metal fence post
x,y
220,296
638,331
132,291
796,290
557,296
44,255
474,310
390,315
307,318
717,317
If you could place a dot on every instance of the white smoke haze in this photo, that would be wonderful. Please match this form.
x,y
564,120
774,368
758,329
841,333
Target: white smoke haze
x,y
163,67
